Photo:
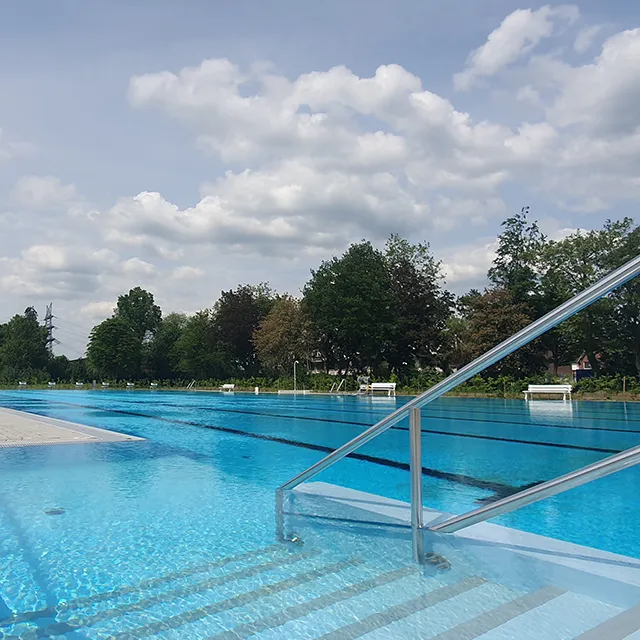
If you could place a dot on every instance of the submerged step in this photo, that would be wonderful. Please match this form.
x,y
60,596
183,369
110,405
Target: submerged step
x,y
561,618
428,623
240,599
624,626
146,606
314,604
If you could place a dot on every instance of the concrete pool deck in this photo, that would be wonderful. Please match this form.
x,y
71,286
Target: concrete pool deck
x,y
20,429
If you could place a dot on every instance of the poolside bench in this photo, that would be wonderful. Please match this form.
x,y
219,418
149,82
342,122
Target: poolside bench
x,y
79,384
130,385
228,387
22,384
105,385
389,387
154,385
51,384
548,389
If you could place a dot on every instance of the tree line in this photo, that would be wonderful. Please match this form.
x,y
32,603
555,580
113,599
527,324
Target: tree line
x,y
383,312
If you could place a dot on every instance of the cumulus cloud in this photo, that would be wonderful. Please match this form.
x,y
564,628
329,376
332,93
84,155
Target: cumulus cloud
x,y
41,192
603,96
316,176
97,310
518,34
466,265
186,272
585,38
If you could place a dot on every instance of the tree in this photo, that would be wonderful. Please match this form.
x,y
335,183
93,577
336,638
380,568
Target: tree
x,y
138,310
114,349
622,351
579,261
59,369
283,335
161,358
350,303
495,316
23,350
515,267
458,347
420,307
198,351
237,315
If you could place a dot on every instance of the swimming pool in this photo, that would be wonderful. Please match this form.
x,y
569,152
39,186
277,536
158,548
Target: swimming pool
x,y
200,487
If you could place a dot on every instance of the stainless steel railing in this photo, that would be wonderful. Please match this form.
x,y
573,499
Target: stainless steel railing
x,y
569,308
591,472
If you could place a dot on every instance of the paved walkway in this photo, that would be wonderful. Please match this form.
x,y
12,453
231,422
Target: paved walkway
x,y
20,429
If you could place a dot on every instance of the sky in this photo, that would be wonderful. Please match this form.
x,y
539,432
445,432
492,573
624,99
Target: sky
x,y
188,147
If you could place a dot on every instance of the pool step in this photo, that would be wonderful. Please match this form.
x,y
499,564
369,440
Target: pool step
x,y
281,593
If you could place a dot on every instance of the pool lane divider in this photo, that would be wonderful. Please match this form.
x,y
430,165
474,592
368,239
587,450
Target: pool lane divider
x,y
477,436
425,415
316,407
499,489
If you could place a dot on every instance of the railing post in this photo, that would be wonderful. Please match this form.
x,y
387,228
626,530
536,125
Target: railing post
x,y
280,515
415,437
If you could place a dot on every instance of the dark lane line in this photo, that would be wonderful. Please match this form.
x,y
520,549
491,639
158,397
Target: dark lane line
x,y
382,415
476,436
500,489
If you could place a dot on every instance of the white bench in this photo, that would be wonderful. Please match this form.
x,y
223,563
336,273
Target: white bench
x,y
130,385
228,387
154,385
105,385
389,387
79,384
51,384
549,389
22,384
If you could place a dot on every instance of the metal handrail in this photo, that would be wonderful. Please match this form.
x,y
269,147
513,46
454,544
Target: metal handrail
x,y
591,472
569,308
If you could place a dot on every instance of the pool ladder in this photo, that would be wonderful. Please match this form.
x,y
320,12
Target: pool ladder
x,y
563,483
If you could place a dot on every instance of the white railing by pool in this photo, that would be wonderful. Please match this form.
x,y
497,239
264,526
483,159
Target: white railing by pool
x,y
569,308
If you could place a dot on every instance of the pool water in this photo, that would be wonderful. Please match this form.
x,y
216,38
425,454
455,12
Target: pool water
x,y
200,489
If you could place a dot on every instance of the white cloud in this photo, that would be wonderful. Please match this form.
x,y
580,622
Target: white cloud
x,y
186,272
585,38
451,212
321,176
529,94
138,267
43,192
97,310
467,265
518,34
603,96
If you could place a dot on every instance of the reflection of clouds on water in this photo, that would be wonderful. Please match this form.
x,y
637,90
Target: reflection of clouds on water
x,y
544,410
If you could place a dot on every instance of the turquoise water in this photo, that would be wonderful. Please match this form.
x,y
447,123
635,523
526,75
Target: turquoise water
x,y
201,486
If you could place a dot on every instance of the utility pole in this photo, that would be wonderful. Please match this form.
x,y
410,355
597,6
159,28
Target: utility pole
x,y
48,325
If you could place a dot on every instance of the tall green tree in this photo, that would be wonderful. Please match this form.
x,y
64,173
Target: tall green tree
x,y
420,307
350,303
138,309
23,351
237,315
495,316
114,349
577,262
516,265
284,335
161,357
458,347
198,351
622,351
